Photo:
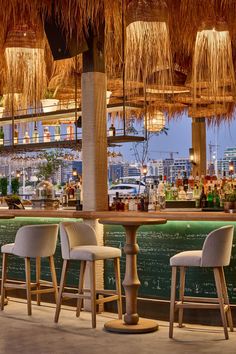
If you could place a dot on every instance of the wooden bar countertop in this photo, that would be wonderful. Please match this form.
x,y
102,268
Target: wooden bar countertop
x,y
169,214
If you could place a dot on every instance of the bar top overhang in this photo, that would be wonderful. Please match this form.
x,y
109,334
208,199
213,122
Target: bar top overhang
x,y
167,214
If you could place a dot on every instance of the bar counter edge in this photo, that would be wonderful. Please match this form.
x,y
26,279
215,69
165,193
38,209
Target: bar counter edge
x,y
166,214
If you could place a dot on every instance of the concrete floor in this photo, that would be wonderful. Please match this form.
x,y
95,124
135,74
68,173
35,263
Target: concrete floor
x,y
20,333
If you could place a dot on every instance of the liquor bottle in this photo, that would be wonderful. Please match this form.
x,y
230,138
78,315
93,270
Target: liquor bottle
x,y
182,194
112,130
203,198
15,135
35,135
191,181
1,136
174,192
26,139
216,197
71,192
57,133
46,135
77,198
69,132
185,181
209,197
179,181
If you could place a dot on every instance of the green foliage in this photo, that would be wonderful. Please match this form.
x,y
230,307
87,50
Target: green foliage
x,y
50,166
15,185
3,185
49,94
231,197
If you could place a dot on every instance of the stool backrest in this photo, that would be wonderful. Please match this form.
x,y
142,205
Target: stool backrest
x,y
75,234
217,247
36,240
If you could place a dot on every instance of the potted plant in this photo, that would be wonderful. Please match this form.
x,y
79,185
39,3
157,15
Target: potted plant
x,y
3,185
15,185
230,202
50,103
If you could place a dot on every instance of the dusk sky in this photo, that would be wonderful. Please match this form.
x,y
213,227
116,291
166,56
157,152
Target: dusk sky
x,y
179,139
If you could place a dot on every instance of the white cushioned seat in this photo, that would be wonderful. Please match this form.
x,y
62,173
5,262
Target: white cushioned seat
x,y
79,242
187,259
215,254
8,248
31,241
94,253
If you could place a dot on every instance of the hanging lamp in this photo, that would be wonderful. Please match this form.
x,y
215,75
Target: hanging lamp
x,y
148,50
155,122
213,76
26,70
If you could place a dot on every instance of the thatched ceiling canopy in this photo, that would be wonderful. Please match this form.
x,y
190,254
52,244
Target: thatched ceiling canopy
x,y
184,18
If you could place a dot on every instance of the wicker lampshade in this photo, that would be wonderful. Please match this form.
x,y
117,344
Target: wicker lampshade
x,y
213,76
25,63
155,122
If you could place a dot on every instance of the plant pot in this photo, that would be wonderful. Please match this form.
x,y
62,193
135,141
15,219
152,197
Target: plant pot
x,y
230,207
49,104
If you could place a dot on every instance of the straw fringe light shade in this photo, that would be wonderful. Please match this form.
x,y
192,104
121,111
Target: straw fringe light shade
x,y
213,76
26,71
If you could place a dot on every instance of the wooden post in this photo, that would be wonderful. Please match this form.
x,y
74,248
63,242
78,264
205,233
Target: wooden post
x,y
94,137
199,146
94,125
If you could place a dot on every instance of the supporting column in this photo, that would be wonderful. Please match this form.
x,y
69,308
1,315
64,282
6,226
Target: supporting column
x,y
94,140
94,126
199,146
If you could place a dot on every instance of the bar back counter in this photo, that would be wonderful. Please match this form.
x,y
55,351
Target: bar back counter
x,y
185,230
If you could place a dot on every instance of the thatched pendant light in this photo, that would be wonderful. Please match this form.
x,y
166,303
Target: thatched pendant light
x,y
26,72
213,71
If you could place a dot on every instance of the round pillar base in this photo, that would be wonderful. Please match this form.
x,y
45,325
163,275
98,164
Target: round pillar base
x,y
143,326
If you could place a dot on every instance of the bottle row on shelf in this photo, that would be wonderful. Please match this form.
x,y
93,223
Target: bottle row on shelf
x,y
206,192
46,136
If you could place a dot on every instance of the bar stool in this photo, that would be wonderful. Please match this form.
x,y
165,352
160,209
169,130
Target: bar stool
x,y
32,241
215,254
78,242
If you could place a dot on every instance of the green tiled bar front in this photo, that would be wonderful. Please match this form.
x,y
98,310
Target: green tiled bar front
x,y
157,244
8,229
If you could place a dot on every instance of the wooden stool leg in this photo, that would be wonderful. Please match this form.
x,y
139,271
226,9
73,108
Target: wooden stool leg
x,y
172,301
80,287
181,294
221,300
28,285
226,299
93,292
38,274
118,286
54,277
62,284
4,277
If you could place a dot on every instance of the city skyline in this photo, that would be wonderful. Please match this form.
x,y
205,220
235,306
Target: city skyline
x,y
178,139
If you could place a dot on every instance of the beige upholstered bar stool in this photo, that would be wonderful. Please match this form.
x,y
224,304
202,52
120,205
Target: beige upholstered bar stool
x,y
215,254
78,242
32,241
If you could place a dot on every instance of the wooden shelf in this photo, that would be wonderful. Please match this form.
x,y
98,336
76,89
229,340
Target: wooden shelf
x,y
69,144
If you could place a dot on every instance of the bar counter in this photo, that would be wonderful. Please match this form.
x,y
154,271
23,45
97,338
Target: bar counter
x,y
185,230
169,214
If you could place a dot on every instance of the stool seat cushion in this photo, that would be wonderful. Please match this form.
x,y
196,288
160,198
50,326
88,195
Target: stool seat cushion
x,y
94,253
187,258
8,248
